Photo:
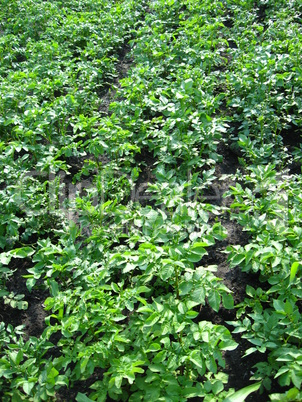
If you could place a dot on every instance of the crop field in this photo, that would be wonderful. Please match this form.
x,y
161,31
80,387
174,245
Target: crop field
x,y
150,200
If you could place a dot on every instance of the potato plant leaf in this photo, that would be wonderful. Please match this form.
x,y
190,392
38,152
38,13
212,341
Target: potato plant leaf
x,y
242,394
293,271
82,398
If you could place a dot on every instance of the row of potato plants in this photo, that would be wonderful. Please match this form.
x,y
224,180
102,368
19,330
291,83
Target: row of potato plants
x,y
127,283
265,88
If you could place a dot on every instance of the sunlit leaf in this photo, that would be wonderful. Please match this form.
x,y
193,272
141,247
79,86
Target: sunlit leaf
x,y
242,394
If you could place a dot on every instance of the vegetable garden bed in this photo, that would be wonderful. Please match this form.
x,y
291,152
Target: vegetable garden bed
x,y
150,200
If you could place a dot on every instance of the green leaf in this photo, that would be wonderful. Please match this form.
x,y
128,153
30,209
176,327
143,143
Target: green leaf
x,y
227,301
182,308
180,327
53,373
166,272
159,357
129,267
211,364
30,283
118,317
152,394
54,287
296,378
174,390
28,386
197,359
250,351
217,387
228,345
198,295
82,398
5,258
292,394
118,381
191,314
142,289
279,306
199,246
293,271
152,320
250,291
129,304
242,394
191,392
237,259
22,252
185,288
3,293
214,300
154,347
196,254
157,368
13,356
115,288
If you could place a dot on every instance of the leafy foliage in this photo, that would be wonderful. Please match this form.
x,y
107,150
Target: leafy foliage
x,y
127,281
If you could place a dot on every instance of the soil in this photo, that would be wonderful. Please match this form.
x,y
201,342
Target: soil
x,y
33,318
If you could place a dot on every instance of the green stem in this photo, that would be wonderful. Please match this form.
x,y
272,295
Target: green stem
x,y
176,282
